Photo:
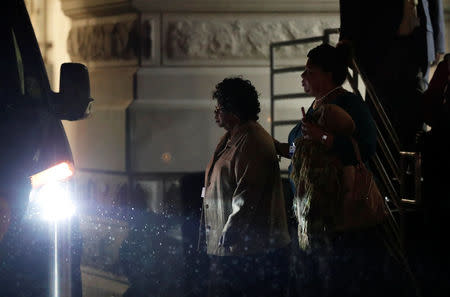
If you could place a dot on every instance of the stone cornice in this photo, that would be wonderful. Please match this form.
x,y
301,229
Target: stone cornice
x,y
77,9
87,8
237,5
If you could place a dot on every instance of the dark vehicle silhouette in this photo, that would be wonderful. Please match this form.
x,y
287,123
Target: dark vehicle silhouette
x,y
32,139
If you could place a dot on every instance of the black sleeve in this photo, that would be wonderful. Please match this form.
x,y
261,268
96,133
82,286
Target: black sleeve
x,y
365,133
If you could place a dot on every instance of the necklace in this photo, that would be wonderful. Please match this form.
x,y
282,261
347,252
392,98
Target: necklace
x,y
319,100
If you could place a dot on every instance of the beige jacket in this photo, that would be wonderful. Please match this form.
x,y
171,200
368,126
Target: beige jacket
x,y
244,207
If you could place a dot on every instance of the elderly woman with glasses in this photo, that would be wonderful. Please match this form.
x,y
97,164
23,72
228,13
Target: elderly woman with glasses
x,y
244,210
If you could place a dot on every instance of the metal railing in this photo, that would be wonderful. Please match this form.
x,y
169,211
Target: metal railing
x,y
391,165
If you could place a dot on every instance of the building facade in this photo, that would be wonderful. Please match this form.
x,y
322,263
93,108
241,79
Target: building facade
x,y
153,65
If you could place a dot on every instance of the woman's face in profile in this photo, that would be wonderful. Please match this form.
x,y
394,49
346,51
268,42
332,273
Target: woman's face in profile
x,y
314,80
222,117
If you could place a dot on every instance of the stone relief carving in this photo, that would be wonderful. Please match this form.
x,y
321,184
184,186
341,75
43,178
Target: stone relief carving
x,y
104,42
238,39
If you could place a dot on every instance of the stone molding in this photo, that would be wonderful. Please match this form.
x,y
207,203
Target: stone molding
x,y
237,5
109,39
87,8
77,9
205,39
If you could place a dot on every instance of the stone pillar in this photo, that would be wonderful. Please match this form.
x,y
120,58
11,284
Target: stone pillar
x,y
109,46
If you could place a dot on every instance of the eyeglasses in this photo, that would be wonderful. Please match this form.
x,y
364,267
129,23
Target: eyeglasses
x,y
218,109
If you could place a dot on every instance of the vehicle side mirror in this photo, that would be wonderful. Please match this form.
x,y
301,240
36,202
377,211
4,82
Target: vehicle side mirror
x,y
73,102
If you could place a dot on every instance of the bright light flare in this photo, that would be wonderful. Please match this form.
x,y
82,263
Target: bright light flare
x,y
50,197
58,172
52,202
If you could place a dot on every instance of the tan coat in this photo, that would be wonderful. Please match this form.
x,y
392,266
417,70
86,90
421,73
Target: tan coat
x,y
244,205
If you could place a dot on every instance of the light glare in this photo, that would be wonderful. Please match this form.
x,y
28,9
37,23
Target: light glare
x,y
52,202
56,173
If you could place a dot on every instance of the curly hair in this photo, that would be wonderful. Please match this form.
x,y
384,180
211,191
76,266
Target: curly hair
x,y
331,59
238,96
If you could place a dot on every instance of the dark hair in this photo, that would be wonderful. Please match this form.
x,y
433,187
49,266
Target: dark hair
x,y
330,59
238,96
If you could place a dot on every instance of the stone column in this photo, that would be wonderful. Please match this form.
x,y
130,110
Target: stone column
x,y
109,45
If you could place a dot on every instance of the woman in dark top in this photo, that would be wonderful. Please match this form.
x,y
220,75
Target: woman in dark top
x,y
336,263
325,72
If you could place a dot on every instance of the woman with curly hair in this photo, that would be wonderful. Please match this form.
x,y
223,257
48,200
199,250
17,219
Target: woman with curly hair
x,y
243,208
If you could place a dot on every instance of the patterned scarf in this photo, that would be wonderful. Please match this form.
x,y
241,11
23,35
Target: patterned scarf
x,y
317,176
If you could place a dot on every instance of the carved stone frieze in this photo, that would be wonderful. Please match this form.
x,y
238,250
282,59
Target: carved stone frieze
x,y
109,41
242,39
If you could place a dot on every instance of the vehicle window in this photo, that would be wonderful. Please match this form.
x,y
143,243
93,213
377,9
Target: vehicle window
x,y
31,69
19,66
23,75
11,83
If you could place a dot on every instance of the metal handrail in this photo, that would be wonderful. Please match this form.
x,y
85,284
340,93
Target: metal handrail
x,y
386,181
284,123
377,164
377,105
290,96
388,154
382,144
381,141
289,69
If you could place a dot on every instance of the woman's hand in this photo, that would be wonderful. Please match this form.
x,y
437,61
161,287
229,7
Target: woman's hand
x,y
316,134
312,131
